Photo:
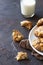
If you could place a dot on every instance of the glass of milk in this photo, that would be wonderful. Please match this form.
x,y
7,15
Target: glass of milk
x,y
28,7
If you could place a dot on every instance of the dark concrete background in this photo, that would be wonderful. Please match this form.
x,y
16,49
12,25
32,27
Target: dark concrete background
x,y
10,18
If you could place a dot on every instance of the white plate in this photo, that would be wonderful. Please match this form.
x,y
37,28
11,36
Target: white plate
x,y
33,37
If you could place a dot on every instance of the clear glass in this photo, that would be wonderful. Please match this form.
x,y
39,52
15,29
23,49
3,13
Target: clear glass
x,y
28,7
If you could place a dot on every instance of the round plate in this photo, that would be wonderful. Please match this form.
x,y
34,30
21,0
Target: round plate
x,y
33,37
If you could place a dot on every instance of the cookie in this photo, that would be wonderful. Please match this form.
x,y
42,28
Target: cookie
x,y
38,45
26,24
40,22
17,36
39,31
21,56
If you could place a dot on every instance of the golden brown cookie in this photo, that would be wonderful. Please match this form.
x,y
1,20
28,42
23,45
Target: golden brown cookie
x,y
38,45
17,36
39,31
36,41
40,22
41,40
26,24
21,56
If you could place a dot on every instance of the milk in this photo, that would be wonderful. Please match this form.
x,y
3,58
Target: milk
x,y
28,7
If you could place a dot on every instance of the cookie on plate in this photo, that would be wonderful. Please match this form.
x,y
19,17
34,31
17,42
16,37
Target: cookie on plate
x,y
40,22
39,31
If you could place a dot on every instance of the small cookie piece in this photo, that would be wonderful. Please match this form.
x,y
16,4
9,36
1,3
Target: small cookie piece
x,y
17,36
21,56
40,22
25,44
26,24
41,40
38,45
39,31
37,55
36,41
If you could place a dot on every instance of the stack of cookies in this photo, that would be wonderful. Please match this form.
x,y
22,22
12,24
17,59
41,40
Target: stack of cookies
x,y
38,43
